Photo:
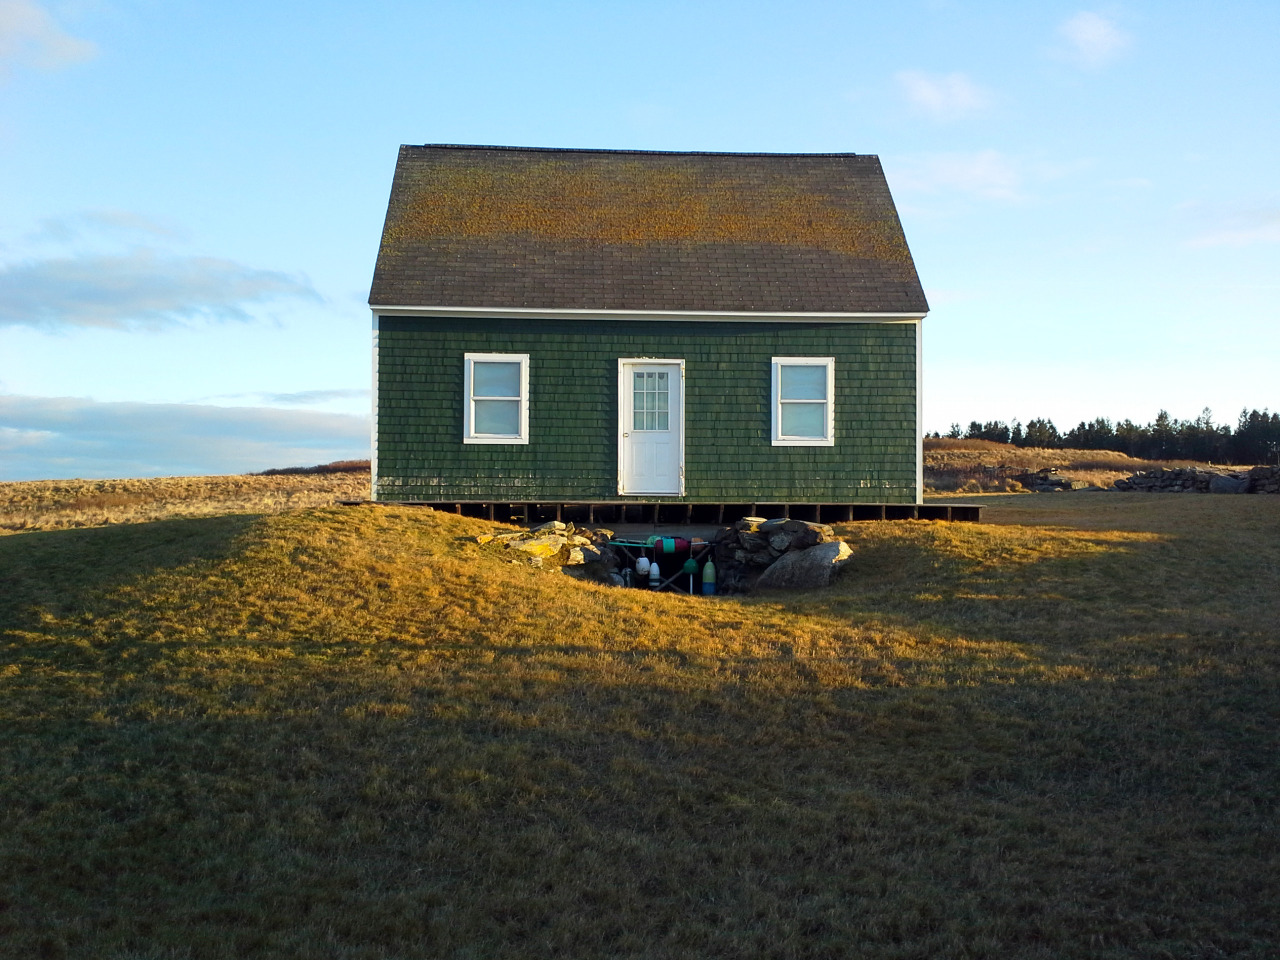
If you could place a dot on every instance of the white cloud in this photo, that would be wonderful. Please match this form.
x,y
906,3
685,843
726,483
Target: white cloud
x,y
942,96
139,288
58,437
1092,40
29,37
1241,229
986,173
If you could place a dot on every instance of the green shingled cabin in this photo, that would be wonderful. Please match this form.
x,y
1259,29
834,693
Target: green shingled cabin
x,y
597,326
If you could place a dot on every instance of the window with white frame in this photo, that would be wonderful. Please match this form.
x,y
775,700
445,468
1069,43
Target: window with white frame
x,y
497,398
803,405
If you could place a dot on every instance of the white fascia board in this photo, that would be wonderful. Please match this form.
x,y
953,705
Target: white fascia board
x,y
687,316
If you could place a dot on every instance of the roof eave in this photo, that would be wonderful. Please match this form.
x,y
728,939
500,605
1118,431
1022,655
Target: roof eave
x,y
585,313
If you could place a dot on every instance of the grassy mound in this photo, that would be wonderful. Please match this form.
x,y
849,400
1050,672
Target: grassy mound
x,y
352,733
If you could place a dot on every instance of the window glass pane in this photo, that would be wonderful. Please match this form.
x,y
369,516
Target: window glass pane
x,y
803,381
650,400
807,420
497,417
490,379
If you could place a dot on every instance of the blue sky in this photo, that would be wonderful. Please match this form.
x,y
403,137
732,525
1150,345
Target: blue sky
x,y
191,195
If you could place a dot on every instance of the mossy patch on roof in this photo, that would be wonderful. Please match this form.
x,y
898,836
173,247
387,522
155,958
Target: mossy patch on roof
x,y
632,202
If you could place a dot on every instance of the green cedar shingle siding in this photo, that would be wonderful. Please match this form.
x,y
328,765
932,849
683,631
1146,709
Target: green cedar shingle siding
x,y
572,452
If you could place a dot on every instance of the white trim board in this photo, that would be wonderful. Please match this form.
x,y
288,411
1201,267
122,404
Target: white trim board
x,y
919,414
687,316
373,424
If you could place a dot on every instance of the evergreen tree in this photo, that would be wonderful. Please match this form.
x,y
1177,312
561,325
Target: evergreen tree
x,y
1163,444
1042,433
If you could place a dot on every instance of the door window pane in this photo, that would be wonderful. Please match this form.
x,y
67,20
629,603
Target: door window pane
x,y
649,401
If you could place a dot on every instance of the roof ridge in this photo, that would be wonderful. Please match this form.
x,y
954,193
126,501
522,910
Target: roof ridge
x,y
673,153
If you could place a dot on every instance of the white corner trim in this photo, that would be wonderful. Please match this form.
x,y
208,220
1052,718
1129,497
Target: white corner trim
x,y
919,412
688,316
373,435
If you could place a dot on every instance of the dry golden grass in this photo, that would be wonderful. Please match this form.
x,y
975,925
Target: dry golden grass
x,y
63,504
353,733
973,466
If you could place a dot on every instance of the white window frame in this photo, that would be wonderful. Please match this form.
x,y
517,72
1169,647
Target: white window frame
x,y
776,401
468,405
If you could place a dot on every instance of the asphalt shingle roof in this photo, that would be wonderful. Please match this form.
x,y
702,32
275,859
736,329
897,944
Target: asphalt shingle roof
x,y
632,230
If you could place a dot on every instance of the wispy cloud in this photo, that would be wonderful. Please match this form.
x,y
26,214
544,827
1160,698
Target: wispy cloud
x,y
114,224
1241,228
140,288
989,174
942,96
30,37
59,437
301,398
1091,40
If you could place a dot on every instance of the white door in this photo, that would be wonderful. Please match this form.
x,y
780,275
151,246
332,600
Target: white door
x,y
651,427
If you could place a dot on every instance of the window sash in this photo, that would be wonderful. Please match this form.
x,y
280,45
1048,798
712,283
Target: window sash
x,y
803,402
496,405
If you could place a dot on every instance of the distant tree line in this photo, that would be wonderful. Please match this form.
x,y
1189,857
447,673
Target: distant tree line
x,y
1255,439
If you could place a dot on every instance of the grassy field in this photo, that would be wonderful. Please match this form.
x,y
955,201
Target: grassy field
x,y
354,733
62,504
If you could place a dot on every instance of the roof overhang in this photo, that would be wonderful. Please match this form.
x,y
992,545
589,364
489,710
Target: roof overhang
x,y
687,316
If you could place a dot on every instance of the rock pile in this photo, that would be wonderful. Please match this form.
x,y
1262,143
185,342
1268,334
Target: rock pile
x,y
1195,480
773,554
752,554
555,542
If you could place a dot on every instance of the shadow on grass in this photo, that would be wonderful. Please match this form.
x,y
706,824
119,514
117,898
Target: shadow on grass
x,y
1047,821
60,571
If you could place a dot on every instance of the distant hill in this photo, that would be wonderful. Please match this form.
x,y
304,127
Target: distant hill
x,y
974,466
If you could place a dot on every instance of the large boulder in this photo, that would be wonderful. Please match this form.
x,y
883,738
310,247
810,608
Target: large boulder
x,y
805,569
1228,484
543,547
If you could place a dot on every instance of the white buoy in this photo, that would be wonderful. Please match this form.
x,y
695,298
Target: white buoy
x,y
655,578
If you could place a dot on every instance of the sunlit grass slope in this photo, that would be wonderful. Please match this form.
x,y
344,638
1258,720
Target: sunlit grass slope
x,y
354,733
27,505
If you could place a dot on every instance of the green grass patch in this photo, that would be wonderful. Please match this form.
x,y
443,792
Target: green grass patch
x,y
353,733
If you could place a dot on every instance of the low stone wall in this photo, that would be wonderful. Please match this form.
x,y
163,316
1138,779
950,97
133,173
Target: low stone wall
x,y
1196,480
1264,480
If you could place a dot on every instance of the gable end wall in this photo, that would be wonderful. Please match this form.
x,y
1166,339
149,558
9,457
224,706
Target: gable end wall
x,y
572,452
